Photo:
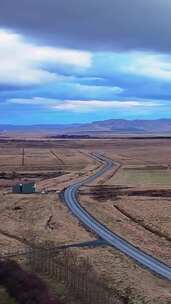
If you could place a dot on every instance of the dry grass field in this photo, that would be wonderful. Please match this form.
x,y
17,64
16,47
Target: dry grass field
x,y
41,159
141,176
133,231
135,203
39,217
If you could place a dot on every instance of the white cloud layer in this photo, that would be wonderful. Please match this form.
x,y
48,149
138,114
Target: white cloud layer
x,y
83,105
149,65
25,63
21,62
93,105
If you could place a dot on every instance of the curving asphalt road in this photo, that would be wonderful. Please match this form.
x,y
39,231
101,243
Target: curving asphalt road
x,y
142,258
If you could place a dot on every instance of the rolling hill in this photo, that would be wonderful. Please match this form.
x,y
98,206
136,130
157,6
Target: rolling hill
x,y
112,126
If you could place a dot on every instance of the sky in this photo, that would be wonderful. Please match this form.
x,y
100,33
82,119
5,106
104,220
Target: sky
x,y
79,61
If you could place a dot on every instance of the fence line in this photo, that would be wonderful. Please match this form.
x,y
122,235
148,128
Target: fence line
x,y
64,266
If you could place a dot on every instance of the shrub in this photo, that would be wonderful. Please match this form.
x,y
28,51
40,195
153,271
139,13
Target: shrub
x,y
25,287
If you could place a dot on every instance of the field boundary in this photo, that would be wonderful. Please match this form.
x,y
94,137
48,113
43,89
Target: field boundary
x,y
142,224
66,267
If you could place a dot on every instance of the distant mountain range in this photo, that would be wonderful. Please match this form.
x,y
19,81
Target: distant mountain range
x,y
112,126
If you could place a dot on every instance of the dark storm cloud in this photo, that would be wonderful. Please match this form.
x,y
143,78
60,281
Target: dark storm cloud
x,y
92,24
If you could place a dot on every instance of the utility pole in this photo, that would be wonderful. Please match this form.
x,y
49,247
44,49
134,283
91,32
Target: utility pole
x,y
23,157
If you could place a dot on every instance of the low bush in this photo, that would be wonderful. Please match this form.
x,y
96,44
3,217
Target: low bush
x,y
25,287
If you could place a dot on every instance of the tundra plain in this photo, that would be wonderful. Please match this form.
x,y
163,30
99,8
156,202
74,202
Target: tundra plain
x,y
134,202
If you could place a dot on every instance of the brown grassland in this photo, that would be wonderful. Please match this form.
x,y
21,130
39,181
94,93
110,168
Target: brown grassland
x,y
135,203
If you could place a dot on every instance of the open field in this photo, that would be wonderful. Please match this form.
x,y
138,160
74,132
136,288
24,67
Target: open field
x,y
141,177
143,195
127,278
44,218
39,218
107,213
153,213
41,159
37,164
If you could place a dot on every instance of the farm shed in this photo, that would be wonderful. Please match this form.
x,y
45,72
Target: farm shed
x,y
25,188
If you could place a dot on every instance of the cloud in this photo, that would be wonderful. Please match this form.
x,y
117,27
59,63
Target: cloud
x,y
99,25
83,105
94,91
149,65
24,63
64,90
94,105
33,101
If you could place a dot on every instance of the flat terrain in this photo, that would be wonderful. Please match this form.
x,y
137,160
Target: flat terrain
x,y
135,203
141,176
132,230
11,158
153,213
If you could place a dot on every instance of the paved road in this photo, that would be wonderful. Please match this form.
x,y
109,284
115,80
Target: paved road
x,y
142,258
